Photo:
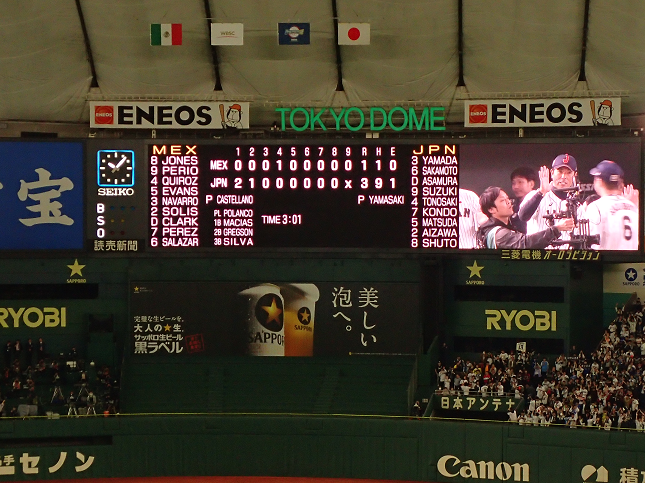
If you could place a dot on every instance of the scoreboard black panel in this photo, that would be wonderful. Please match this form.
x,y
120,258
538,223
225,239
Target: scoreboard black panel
x,y
311,194
303,196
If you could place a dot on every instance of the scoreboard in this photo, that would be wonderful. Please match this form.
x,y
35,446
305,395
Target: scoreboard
x,y
303,196
311,194
241,196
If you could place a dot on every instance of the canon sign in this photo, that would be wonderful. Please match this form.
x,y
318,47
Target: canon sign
x,y
451,466
543,112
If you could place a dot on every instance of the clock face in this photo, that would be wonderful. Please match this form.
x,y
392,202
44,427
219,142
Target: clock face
x,y
115,167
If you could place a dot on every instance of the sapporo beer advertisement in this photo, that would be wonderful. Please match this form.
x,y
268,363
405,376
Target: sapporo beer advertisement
x,y
273,319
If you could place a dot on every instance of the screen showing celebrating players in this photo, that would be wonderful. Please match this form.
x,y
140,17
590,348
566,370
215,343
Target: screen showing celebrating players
x,y
556,196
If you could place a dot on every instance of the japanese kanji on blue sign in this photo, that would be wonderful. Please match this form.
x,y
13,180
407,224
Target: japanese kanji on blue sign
x,y
41,195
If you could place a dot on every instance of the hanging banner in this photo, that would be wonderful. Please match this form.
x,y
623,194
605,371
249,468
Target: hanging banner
x,y
600,111
169,115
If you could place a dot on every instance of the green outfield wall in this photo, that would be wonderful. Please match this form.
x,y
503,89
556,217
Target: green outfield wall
x,y
308,446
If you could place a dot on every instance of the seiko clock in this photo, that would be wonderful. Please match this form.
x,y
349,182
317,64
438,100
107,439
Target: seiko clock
x,y
115,167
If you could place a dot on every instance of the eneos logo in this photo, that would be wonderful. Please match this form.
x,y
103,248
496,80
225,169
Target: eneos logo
x,y
478,113
104,115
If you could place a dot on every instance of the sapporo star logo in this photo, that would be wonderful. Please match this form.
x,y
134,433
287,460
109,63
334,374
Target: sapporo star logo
x,y
631,274
269,312
76,269
475,270
304,316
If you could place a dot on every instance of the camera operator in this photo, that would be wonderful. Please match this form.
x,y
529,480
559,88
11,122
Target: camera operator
x,y
499,232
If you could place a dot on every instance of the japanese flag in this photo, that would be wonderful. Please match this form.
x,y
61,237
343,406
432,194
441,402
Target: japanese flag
x,y
353,33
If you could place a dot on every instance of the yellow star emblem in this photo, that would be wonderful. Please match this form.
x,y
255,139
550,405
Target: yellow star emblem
x,y
273,312
475,270
304,315
167,327
76,269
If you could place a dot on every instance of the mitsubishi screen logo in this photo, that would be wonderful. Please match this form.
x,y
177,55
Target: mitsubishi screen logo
x,y
602,476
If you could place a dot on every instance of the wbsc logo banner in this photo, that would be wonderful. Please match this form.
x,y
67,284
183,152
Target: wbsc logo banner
x,y
41,195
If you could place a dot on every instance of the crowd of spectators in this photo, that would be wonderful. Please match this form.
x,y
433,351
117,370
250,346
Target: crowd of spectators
x,y
604,389
33,382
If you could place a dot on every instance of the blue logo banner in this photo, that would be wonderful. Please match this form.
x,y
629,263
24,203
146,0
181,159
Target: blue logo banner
x,y
41,195
293,33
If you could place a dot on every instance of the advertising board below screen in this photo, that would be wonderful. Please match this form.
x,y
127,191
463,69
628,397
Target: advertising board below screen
x,y
378,195
181,319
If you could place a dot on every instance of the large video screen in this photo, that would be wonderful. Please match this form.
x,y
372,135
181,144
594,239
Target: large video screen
x,y
393,195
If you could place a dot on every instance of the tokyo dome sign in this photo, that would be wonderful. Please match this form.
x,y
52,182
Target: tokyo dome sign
x,y
357,118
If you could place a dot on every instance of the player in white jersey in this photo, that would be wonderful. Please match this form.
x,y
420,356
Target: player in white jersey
x,y
615,215
543,201
470,217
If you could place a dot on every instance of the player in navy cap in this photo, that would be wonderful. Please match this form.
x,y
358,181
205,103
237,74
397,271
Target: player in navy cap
x,y
544,200
615,215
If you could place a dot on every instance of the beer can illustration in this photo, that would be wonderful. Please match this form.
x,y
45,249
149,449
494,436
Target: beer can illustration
x,y
264,320
299,311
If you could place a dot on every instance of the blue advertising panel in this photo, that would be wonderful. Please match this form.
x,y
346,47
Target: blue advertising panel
x,y
41,195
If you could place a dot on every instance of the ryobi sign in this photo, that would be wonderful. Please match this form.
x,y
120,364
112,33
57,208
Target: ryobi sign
x,y
525,320
33,317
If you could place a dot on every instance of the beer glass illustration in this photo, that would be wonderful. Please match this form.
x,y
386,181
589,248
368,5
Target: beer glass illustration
x,y
299,310
264,320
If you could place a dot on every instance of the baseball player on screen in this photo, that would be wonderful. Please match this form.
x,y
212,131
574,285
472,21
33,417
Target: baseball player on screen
x,y
499,231
543,201
615,215
470,218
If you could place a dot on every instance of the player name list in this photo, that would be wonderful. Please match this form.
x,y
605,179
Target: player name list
x,y
372,196
434,171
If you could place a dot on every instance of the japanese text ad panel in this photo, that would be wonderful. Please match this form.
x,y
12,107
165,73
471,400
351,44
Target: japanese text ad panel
x,y
41,195
274,319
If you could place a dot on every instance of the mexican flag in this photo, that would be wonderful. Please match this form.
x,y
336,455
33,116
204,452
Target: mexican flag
x,y
165,34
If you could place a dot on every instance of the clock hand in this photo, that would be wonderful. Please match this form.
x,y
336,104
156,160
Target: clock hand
x,y
123,160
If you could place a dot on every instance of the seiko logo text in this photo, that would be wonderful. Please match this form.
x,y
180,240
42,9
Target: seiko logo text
x,y
33,317
539,320
451,466
115,191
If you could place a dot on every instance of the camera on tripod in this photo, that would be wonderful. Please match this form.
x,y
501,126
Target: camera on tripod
x,y
580,237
